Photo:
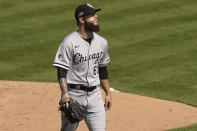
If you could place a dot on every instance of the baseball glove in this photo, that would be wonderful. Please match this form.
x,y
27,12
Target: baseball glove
x,y
75,112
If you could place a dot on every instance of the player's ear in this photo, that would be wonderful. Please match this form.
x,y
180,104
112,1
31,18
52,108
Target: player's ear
x,y
81,20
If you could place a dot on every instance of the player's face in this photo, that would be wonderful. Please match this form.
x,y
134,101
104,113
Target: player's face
x,y
91,23
93,18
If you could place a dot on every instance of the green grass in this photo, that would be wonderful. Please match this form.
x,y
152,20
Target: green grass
x,y
152,44
190,128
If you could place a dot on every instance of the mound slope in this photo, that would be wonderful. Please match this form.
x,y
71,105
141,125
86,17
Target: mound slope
x,y
30,106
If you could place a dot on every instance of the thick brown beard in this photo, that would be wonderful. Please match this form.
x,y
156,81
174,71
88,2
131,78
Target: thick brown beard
x,y
91,27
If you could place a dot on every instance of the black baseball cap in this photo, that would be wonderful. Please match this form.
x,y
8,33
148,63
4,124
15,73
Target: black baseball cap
x,y
85,9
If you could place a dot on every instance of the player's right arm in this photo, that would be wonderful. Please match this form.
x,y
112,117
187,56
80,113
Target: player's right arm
x,y
62,63
62,73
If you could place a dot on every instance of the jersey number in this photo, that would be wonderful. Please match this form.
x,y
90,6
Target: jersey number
x,y
95,70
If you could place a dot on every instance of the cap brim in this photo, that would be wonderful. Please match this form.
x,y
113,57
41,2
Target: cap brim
x,y
93,11
96,10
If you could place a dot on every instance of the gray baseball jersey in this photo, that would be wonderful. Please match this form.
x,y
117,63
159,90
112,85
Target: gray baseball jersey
x,y
82,59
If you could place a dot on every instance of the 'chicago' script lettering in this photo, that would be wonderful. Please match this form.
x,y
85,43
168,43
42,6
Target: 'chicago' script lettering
x,y
78,58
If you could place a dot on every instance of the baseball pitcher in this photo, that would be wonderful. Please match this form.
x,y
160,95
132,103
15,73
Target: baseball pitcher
x,y
81,63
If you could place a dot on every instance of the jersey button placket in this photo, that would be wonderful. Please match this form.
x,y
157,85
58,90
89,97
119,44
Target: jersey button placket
x,y
88,70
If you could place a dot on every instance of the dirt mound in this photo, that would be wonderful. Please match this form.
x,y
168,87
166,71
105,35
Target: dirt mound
x,y
33,106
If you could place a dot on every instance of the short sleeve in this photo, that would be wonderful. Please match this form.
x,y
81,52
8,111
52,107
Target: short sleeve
x,y
63,56
105,59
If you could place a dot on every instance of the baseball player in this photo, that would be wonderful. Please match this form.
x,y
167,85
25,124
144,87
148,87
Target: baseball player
x,y
81,62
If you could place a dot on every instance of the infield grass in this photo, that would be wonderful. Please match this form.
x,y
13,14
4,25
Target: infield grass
x,y
152,44
190,128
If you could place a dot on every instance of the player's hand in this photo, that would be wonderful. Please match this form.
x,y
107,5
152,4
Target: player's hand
x,y
65,99
108,102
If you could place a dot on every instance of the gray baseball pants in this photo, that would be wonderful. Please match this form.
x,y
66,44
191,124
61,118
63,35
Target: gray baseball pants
x,y
95,118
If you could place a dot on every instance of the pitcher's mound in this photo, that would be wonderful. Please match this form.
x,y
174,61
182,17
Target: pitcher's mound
x,y
33,106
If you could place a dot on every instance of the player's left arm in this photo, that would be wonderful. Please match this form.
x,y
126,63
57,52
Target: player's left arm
x,y
103,74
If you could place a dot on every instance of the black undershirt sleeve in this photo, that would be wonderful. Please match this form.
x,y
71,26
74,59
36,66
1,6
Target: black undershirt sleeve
x,y
61,72
103,74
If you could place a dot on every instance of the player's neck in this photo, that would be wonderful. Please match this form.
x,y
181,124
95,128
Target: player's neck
x,y
85,34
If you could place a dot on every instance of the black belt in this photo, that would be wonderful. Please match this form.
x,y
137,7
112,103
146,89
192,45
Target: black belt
x,y
80,87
